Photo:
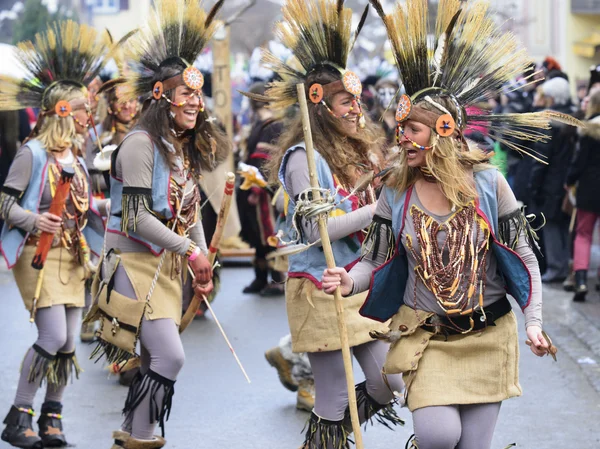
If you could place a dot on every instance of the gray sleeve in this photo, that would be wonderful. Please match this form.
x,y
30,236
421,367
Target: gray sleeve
x,y
508,205
377,247
197,236
297,180
16,183
137,161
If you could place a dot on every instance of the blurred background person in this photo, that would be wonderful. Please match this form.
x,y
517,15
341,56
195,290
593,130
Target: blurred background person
x,y
546,180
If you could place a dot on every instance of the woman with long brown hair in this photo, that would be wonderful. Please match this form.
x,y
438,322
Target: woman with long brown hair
x,y
346,145
155,232
61,63
449,241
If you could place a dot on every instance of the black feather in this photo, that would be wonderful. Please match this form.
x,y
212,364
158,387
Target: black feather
x,y
213,12
378,7
448,33
359,28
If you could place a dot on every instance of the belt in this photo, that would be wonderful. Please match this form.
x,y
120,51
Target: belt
x,y
457,325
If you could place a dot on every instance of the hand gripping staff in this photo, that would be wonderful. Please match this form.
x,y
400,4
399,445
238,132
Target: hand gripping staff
x,y
212,254
63,189
326,243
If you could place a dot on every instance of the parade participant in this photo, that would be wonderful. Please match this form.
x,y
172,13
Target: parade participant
x,y
154,231
387,91
453,235
60,64
319,34
120,118
256,212
583,173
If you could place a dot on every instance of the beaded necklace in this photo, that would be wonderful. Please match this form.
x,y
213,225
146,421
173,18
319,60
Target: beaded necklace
x,y
454,272
72,238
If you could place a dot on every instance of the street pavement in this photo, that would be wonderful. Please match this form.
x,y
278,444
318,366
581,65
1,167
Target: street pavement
x,y
215,408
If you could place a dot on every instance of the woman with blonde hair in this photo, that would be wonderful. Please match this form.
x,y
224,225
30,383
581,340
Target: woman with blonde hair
x,y
345,141
61,63
448,241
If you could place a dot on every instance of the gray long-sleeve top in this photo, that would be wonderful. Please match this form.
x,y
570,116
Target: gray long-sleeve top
x,y
507,203
297,180
134,165
18,179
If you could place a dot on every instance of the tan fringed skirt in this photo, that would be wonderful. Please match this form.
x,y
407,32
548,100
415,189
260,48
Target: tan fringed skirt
x,y
313,320
462,369
166,298
63,282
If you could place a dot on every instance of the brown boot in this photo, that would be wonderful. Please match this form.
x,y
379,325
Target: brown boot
x,y
156,443
120,437
283,367
305,399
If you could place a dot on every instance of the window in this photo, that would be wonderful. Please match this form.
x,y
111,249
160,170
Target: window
x,y
106,6
585,6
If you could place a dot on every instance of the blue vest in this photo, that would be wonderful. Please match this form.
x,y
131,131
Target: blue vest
x,y
161,206
311,263
388,282
12,239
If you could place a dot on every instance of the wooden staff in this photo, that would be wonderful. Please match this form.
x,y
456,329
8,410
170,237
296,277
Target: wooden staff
x,y
326,243
63,189
213,248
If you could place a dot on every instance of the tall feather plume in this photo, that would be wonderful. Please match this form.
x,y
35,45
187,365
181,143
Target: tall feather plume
x,y
175,29
473,60
66,51
319,33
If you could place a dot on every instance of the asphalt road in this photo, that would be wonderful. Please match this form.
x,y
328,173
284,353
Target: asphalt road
x,y
215,408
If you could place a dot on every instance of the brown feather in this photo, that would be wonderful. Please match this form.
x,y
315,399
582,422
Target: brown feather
x,y
213,12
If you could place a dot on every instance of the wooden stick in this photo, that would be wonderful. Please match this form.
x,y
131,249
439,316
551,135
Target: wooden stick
x,y
213,248
222,331
326,243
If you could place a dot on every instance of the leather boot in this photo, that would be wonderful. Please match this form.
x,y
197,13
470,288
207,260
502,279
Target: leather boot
x,y
261,272
50,424
120,437
283,367
580,285
19,429
305,398
156,443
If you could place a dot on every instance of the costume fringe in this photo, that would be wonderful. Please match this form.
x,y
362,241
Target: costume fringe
x,y
512,225
150,384
8,198
378,228
65,366
134,200
42,367
112,353
382,413
324,434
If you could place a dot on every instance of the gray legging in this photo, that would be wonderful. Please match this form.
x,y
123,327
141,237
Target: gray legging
x,y
162,357
331,394
56,327
456,426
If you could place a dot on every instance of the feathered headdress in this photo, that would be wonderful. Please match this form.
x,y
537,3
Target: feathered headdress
x,y
175,34
68,54
472,60
318,32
